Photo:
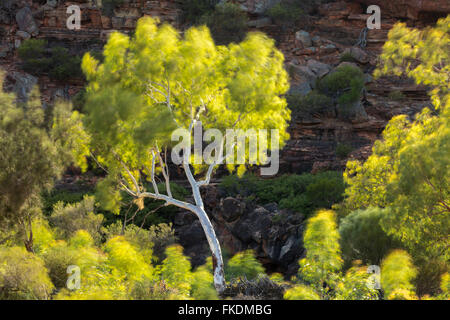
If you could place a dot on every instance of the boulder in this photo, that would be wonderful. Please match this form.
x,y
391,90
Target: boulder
x,y
21,84
232,209
358,54
23,35
25,21
259,23
320,69
304,38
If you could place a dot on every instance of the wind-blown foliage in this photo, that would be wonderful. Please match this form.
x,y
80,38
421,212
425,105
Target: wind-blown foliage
x,y
407,172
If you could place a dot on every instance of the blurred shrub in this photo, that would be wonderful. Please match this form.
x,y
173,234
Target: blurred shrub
x,y
362,237
301,292
244,264
175,270
202,287
397,274
70,218
49,199
23,275
127,259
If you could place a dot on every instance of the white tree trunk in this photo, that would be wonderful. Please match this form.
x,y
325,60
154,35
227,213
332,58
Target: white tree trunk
x,y
218,267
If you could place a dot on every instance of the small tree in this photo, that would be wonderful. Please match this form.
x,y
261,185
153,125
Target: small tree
x,y
33,154
156,82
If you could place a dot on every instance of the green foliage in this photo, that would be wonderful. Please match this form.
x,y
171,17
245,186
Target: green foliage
x,y
344,84
445,285
343,150
23,275
346,57
417,53
43,157
64,66
302,193
355,286
57,61
247,79
193,10
228,23
176,270
323,254
301,292
407,173
202,285
127,260
286,12
244,264
362,237
49,199
154,241
33,52
397,273
313,102
70,218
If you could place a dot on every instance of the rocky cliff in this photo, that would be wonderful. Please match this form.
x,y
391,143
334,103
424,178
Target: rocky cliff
x,y
312,47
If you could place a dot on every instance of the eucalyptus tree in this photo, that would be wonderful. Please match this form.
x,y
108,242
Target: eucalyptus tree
x,y
158,81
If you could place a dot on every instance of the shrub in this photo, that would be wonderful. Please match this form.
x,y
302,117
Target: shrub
x,y
176,270
58,62
244,264
323,253
362,237
286,12
301,292
73,217
64,66
302,193
153,241
203,284
344,84
49,199
313,102
193,10
346,57
33,53
127,259
397,273
228,23
343,150
23,275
